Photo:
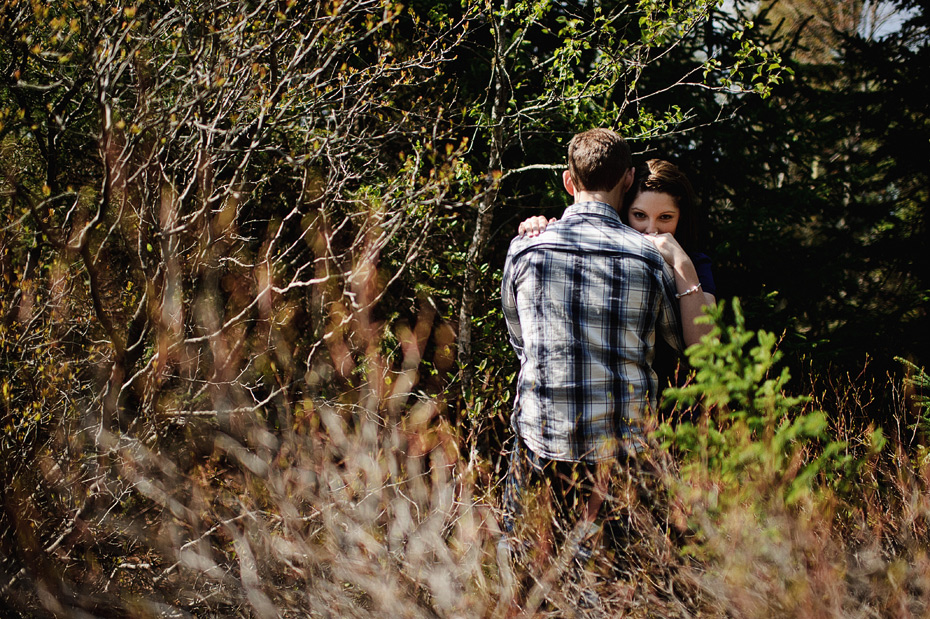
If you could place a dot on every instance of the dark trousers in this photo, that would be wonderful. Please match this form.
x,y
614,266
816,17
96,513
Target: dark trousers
x,y
586,500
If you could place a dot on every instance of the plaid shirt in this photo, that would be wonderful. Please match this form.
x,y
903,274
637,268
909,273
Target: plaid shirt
x,y
583,302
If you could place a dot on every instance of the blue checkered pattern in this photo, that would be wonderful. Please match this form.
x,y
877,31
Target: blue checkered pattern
x,y
583,303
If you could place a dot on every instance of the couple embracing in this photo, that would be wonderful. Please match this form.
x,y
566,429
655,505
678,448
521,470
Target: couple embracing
x,y
585,299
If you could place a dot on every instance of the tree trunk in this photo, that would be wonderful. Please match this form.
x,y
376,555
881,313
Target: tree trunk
x,y
486,207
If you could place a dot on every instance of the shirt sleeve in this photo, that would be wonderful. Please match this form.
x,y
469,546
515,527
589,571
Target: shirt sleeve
x,y
668,324
509,303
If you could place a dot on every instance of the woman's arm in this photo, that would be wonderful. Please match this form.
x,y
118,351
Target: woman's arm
x,y
692,299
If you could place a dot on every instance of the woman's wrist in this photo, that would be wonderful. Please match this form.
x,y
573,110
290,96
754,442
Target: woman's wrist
x,y
686,276
691,290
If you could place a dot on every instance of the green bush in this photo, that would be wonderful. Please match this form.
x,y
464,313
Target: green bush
x,y
748,435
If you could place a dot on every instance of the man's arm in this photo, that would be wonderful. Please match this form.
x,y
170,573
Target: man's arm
x,y
669,319
509,304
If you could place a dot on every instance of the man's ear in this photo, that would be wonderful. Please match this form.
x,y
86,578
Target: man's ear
x,y
627,181
567,183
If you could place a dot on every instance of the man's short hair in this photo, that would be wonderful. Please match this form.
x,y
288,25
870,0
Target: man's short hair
x,y
598,159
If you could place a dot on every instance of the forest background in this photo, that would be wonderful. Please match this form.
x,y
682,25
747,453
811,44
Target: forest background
x,y
252,356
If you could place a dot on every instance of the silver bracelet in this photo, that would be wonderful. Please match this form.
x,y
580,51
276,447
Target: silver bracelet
x,y
690,290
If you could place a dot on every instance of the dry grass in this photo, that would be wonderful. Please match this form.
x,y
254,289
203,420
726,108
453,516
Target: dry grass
x,y
345,515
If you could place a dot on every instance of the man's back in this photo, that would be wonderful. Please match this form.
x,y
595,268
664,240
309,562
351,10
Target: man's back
x,y
583,303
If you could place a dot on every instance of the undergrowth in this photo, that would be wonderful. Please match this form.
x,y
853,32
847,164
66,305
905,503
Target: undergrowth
x,y
762,506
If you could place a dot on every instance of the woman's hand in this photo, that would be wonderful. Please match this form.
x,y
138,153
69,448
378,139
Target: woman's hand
x,y
673,253
534,226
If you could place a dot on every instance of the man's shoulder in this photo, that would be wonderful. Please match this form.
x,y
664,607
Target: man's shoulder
x,y
586,234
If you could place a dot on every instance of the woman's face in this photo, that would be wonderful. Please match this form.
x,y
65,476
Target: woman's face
x,y
654,212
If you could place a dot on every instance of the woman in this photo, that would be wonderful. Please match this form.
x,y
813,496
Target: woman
x,y
661,205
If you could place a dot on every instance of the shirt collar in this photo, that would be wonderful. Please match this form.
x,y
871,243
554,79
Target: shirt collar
x,y
592,208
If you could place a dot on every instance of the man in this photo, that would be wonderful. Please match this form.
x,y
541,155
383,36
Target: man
x,y
584,302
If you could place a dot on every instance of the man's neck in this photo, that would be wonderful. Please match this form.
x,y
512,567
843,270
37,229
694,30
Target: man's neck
x,y
607,197
614,197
